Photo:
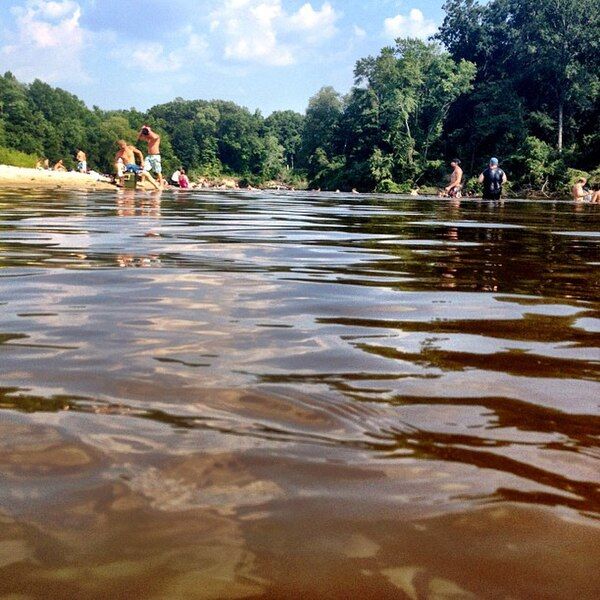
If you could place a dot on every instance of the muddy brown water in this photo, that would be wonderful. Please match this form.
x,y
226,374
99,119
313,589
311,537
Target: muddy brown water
x,y
276,395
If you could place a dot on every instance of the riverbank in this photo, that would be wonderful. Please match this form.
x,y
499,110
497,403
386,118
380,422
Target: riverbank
x,y
20,177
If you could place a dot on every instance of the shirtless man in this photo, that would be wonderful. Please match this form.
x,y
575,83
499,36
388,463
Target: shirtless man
x,y
127,154
580,194
152,162
81,161
453,190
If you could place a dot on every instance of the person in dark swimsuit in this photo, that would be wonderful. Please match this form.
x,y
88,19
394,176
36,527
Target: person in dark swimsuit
x,y
492,178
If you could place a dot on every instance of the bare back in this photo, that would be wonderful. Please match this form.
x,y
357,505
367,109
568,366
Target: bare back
x,y
456,176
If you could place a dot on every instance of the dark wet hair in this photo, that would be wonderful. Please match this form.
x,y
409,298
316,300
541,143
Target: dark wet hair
x,y
456,160
145,131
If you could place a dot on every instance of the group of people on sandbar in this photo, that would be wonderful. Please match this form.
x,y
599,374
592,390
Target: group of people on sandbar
x,y
43,164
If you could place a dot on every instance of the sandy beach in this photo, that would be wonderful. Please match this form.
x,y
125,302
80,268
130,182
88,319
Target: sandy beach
x,y
19,177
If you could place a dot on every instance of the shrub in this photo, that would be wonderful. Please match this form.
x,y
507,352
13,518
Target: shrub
x,y
14,158
388,186
472,186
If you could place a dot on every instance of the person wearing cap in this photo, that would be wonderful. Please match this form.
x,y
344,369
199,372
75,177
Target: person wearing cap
x,y
152,161
492,178
453,190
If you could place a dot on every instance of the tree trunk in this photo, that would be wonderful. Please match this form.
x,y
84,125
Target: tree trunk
x,y
560,125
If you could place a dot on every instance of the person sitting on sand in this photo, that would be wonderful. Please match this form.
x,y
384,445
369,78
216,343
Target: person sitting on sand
x,y
175,176
59,166
81,161
581,194
127,154
183,180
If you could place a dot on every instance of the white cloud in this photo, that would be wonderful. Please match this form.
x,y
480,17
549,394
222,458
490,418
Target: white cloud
x,y
47,41
154,57
359,32
262,31
414,25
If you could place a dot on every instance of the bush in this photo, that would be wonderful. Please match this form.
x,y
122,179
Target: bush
x,y
573,175
594,178
388,186
472,187
15,158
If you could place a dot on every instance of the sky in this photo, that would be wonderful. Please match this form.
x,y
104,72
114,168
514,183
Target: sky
x,y
262,54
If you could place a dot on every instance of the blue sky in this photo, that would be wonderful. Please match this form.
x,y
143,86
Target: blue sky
x,y
265,54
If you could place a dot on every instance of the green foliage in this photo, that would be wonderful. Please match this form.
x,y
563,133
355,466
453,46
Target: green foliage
x,y
8,156
538,67
387,186
472,186
574,174
391,120
287,128
594,178
536,162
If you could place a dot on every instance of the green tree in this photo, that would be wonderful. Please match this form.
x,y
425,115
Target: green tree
x,y
321,127
287,127
414,85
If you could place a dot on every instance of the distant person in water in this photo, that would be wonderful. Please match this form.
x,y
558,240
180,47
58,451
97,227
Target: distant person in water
x,y
183,180
153,160
59,166
128,154
581,194
493,178
453,190
81,161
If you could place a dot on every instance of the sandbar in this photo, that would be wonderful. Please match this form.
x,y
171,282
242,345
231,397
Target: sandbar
x,y
20,177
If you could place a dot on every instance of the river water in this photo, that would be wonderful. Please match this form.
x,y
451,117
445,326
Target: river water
x,y
294,395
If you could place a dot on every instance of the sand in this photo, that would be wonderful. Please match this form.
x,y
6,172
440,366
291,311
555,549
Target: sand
x,y
19,177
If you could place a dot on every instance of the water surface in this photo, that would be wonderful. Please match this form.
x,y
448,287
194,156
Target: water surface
x,y
268,395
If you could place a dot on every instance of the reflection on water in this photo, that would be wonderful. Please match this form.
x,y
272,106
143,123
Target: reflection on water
x,y
294,395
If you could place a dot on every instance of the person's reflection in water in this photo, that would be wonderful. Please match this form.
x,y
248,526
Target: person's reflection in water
x,y
149,203
125,203
150,207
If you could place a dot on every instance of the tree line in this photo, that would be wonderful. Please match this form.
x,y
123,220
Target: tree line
x,y
517,79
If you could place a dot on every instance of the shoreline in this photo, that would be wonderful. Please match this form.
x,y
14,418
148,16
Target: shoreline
x,y
23,177
30,178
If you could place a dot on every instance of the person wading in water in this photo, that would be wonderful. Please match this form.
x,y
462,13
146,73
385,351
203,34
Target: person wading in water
x,y
453,190
492,178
